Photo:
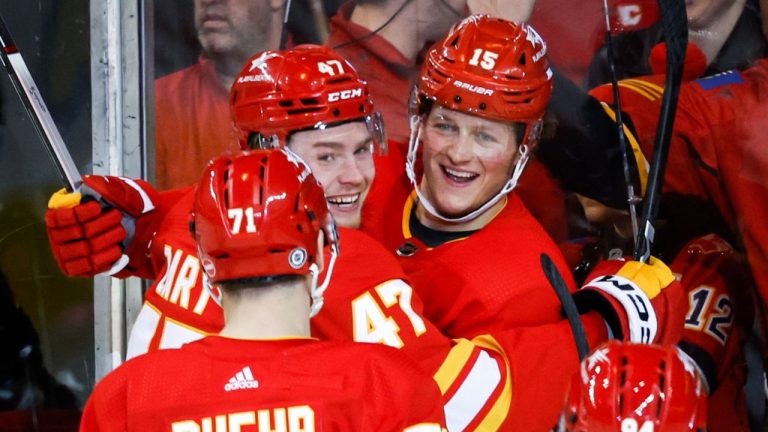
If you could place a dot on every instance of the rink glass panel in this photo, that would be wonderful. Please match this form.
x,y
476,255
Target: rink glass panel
x,y
53,37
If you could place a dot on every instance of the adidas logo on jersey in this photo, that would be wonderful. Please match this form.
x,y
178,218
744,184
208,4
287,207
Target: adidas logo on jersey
x,y
242,380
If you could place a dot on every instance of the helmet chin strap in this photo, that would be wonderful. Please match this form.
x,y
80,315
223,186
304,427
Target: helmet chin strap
x,y
413,148
316,292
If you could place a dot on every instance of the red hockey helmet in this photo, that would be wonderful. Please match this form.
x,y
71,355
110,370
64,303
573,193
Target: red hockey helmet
x,y
307,87
491,68
636,387
259,214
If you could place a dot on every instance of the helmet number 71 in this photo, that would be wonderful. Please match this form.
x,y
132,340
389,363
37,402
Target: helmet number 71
x,y
236,214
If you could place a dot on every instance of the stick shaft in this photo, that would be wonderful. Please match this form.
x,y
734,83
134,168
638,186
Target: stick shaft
x,y
38,112
675,25
569,305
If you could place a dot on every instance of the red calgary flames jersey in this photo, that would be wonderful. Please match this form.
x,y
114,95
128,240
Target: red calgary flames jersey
x,y
368,300
488,281
491,282
220,384
717,150
718,321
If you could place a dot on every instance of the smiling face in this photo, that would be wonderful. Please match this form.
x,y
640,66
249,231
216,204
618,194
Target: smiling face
x,y
467,160
341,159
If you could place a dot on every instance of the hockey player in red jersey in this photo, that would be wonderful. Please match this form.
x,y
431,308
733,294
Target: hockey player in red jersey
x,y
636,388
720,305
719,319
260,222
717,157
459,229
716,151
717,154
369,299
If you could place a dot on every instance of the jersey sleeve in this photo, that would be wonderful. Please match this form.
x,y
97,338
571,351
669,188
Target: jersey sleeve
x,y
141,263
540,362
513,378
401,395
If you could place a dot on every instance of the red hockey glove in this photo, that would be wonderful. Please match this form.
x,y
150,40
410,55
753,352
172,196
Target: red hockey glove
x,y
642,303
89,230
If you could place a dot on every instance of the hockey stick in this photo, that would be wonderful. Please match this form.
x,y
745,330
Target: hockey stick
x,y
569,306
632,198
674,22
41,118
321,21
37,110
284,28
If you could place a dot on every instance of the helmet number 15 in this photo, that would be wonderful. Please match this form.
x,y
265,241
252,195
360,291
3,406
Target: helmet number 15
x,y
484,58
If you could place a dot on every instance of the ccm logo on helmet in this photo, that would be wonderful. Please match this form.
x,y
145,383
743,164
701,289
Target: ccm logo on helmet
x,y
345,94
473,88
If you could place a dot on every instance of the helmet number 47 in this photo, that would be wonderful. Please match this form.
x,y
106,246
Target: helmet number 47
x,y
484,58
371,324
330,67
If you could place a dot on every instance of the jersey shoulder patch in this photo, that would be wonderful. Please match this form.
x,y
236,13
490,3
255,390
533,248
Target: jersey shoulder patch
x,y
720,80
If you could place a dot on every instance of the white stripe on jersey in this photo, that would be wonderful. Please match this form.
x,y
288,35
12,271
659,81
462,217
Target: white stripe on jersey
x,y
473,394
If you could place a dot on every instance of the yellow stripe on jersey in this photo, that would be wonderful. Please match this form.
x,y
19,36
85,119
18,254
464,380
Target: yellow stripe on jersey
x,y
407,215
454,363
640,161
655,90
638,90
153,307
186,326
642,89
500,410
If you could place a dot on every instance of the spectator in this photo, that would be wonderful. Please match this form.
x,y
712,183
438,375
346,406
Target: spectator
x,y
382,39
192,105
728,32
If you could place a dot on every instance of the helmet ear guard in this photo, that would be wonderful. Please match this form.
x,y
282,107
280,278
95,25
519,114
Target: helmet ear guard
x,y
257,141
375,125
316,292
